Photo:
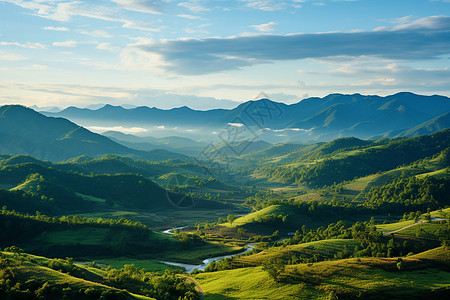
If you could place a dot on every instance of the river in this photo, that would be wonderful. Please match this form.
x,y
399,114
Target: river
x,y
189,268
171,230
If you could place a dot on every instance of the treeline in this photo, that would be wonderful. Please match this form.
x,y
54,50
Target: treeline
x,y
368,161
76,220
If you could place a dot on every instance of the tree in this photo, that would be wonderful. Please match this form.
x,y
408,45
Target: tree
x,y
241,232
274,266
400,264
231,218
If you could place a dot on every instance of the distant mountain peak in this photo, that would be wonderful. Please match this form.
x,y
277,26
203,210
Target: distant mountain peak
x,y
111,107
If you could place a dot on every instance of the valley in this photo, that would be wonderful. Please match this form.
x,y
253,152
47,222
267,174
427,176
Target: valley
x,y
338,219
224,150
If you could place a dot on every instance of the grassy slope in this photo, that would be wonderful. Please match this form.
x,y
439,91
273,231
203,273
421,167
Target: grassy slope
x,y
246,283
427,231
435,168
27,270
372,278
273,209
325,248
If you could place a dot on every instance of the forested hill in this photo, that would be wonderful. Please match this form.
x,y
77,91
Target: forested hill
x,y
25,131
360,159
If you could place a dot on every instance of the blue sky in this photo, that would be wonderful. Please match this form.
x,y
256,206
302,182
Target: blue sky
x,y
207,54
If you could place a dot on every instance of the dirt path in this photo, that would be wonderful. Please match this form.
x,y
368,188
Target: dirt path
x,y
411,225
200,290
400,229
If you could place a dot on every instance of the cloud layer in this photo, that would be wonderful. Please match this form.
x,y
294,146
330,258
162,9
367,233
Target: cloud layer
x,y
426,38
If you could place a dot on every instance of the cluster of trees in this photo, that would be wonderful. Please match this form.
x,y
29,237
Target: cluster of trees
x,y
409,193
189,240
168,286
271,219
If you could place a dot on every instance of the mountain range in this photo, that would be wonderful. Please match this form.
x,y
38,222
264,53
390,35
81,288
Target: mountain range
x,y
25,131
312,119
251,126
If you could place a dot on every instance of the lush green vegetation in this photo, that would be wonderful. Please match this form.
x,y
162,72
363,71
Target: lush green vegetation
x,y
317,232
327,171
371,278
25,276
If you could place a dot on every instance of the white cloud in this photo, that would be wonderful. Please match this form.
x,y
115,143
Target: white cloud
x,y
191,17
426,38
27,45
265,27
122,129
70,44
64,11
193,6
37,67
11,57
144,6
56,28
107,47
266,5
96,33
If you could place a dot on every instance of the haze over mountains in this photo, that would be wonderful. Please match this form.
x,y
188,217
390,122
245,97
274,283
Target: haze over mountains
x,y
251,126
312,119
25,131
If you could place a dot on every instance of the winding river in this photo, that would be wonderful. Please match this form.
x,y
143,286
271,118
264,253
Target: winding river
x,y
189,268
171,230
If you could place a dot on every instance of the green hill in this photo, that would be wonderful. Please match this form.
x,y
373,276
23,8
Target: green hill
x,y
360,163
24,277
127,190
